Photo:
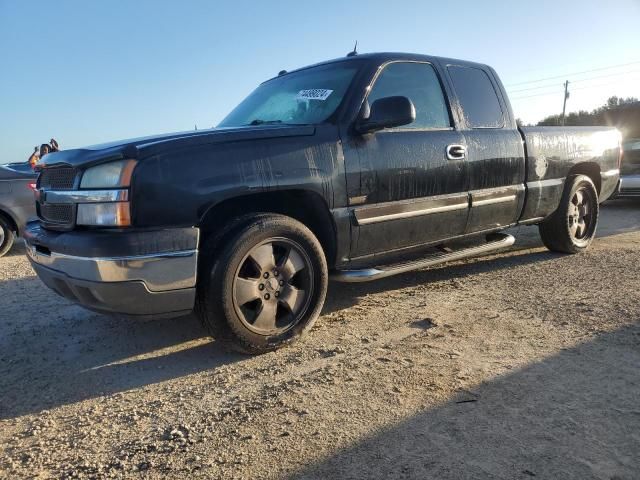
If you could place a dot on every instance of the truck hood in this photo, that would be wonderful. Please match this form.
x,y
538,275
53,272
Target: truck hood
x,y
146,146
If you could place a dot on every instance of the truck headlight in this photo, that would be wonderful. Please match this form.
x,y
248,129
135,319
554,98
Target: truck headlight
x,y
112,175
109,175
114,214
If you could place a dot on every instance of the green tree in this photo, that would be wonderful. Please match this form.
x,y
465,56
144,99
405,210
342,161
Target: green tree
x,y
623,113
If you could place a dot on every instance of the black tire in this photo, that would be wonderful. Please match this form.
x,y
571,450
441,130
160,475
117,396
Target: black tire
x,y
7,236
572,227
290,284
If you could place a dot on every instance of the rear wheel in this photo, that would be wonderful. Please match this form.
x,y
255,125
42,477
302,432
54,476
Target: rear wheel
x,y
572,227
7,236
265,284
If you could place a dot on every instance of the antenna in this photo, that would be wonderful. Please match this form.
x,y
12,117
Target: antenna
x,y
354,52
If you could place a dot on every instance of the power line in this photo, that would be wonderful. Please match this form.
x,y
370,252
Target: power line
x,y
576,81
533,88
558,92
551,68
574,73
595,86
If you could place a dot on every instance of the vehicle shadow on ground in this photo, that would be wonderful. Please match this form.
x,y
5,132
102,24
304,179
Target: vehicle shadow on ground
x,y
572,415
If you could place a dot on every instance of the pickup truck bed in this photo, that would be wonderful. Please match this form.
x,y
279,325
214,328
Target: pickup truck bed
x,y
340,167
552,152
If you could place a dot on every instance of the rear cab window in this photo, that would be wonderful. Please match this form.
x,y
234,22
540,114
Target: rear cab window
x,y
477,97
419,83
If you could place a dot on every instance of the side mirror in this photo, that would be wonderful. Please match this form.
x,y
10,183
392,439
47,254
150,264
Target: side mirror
x,y
387,112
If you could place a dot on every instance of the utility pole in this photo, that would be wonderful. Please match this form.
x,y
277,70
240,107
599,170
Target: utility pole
x,y
566,95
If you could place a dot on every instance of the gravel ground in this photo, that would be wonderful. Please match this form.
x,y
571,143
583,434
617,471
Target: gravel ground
x,y
518,365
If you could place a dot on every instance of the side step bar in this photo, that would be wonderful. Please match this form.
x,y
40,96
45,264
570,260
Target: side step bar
x,y
495,241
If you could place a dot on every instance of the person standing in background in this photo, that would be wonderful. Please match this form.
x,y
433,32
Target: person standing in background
x,y
45,148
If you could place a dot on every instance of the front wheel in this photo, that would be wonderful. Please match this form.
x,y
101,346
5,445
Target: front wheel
x,y
7,236
265,284
572,227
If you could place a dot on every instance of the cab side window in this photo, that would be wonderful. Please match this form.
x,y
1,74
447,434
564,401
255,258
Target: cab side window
x,y
419,83
477,97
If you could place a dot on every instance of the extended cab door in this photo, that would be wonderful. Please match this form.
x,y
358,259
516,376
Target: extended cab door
x,y
495,150
413,181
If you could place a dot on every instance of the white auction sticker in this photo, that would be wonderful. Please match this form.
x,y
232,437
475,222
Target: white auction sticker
x,y
314,94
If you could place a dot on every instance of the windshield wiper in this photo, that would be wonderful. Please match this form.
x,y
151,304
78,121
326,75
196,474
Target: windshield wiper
x,y
258,121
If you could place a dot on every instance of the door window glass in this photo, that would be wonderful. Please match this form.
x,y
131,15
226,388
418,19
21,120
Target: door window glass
x,y
419,83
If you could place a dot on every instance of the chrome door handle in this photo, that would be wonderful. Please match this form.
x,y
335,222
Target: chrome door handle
x,y
456,152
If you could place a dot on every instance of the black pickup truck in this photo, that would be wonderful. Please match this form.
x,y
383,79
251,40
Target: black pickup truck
x,y
355,168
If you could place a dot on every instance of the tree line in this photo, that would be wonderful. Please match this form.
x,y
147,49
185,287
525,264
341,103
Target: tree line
x,y
622,113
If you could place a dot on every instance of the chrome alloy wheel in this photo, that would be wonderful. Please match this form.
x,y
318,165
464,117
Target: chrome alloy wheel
x,y
581,214
273,285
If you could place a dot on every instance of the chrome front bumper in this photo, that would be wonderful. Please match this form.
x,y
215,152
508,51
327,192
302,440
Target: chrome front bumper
x,y
149,284
158,272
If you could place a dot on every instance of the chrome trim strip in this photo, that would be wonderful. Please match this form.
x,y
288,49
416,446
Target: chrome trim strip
x,y
159,272
552,182
84,196
443,203
491,196
382,212
492,201
413,213
531,220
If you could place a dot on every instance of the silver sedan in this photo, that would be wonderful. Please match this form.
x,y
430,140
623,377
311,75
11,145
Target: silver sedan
x,y
17,204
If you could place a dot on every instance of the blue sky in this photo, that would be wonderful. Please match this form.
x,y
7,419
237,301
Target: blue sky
x,y
86,72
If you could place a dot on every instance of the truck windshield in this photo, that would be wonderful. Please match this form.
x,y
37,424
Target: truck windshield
x,y
305,97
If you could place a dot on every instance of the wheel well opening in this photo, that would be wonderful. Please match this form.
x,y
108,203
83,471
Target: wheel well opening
x,y
591,170
9,219
307,207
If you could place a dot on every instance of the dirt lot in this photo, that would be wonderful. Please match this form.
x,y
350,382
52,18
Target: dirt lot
x,y
519,365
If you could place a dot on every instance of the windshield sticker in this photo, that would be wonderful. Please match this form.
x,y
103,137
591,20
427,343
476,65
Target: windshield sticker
x,y
314,94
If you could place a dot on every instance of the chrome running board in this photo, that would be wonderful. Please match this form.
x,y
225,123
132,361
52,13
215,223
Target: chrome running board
x,y
495,241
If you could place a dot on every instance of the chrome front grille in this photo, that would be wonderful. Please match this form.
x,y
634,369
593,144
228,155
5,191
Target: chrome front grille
x,y
61,178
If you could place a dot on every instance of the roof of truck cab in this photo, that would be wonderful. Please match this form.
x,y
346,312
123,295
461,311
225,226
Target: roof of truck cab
x,y
383,57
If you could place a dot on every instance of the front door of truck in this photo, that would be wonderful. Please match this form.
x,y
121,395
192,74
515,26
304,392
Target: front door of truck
x,y
412,187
